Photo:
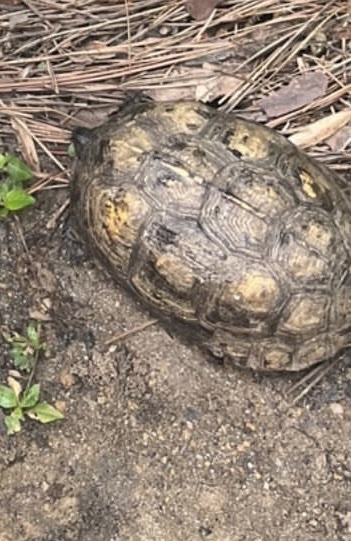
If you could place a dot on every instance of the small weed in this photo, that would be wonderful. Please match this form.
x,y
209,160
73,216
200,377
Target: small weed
x,y
25,349
17,402
12,194
21,403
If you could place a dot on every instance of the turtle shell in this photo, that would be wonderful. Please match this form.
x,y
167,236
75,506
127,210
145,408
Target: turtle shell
x,y
221,225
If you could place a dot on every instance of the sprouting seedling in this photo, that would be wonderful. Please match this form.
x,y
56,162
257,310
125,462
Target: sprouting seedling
x,y
14,173
19,404
25,348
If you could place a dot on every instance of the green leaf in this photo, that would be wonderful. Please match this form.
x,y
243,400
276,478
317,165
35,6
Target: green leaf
x,y
5,186
3,161
17,199
13,421
7,397
71,151
30,396
7,336
17,169
44,413
3,213
19,340
20,359
33,335
18,348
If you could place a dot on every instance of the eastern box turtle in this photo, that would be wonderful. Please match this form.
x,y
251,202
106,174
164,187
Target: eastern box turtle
x,y
222,225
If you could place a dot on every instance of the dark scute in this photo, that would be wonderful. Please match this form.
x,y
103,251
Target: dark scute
x,y
165,236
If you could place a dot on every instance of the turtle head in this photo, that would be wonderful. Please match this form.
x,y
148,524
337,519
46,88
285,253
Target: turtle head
x,y
89,145
82,138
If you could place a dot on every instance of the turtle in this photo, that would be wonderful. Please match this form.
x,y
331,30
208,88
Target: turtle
x,y
222,228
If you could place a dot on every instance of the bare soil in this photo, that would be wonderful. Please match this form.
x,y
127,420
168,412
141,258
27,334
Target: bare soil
x,y
158,444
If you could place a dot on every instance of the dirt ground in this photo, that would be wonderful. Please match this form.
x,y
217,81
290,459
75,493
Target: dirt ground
x,y
158,444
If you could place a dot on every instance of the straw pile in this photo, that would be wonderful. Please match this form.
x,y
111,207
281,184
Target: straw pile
x,y
66,62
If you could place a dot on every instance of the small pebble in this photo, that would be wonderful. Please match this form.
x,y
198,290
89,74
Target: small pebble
x,y
336,408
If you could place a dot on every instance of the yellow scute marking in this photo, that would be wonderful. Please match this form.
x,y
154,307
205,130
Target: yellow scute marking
x,y
276,358
258,292
126,148
308,184
305,314
305,264
175,271
247,144
116,217
183,118
123,214
319,236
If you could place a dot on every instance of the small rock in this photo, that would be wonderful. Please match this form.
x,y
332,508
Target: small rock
x,y
336,408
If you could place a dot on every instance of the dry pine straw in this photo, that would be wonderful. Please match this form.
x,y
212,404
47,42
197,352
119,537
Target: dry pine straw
x,y
70,62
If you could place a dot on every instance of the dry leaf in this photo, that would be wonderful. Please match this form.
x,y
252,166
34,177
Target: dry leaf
x,y
203,84
171,93
299,92
340,140
39,316
26,143
14,385
200,9
321,129
216,85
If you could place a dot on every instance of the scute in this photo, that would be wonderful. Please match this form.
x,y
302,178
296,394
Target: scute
x,y
305,314
223,227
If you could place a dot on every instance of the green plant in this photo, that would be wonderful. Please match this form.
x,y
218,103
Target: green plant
x,y
21,403
25,348
71,151
12,194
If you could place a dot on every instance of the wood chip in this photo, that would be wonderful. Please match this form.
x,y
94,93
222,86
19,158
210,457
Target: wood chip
x,y
201,84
